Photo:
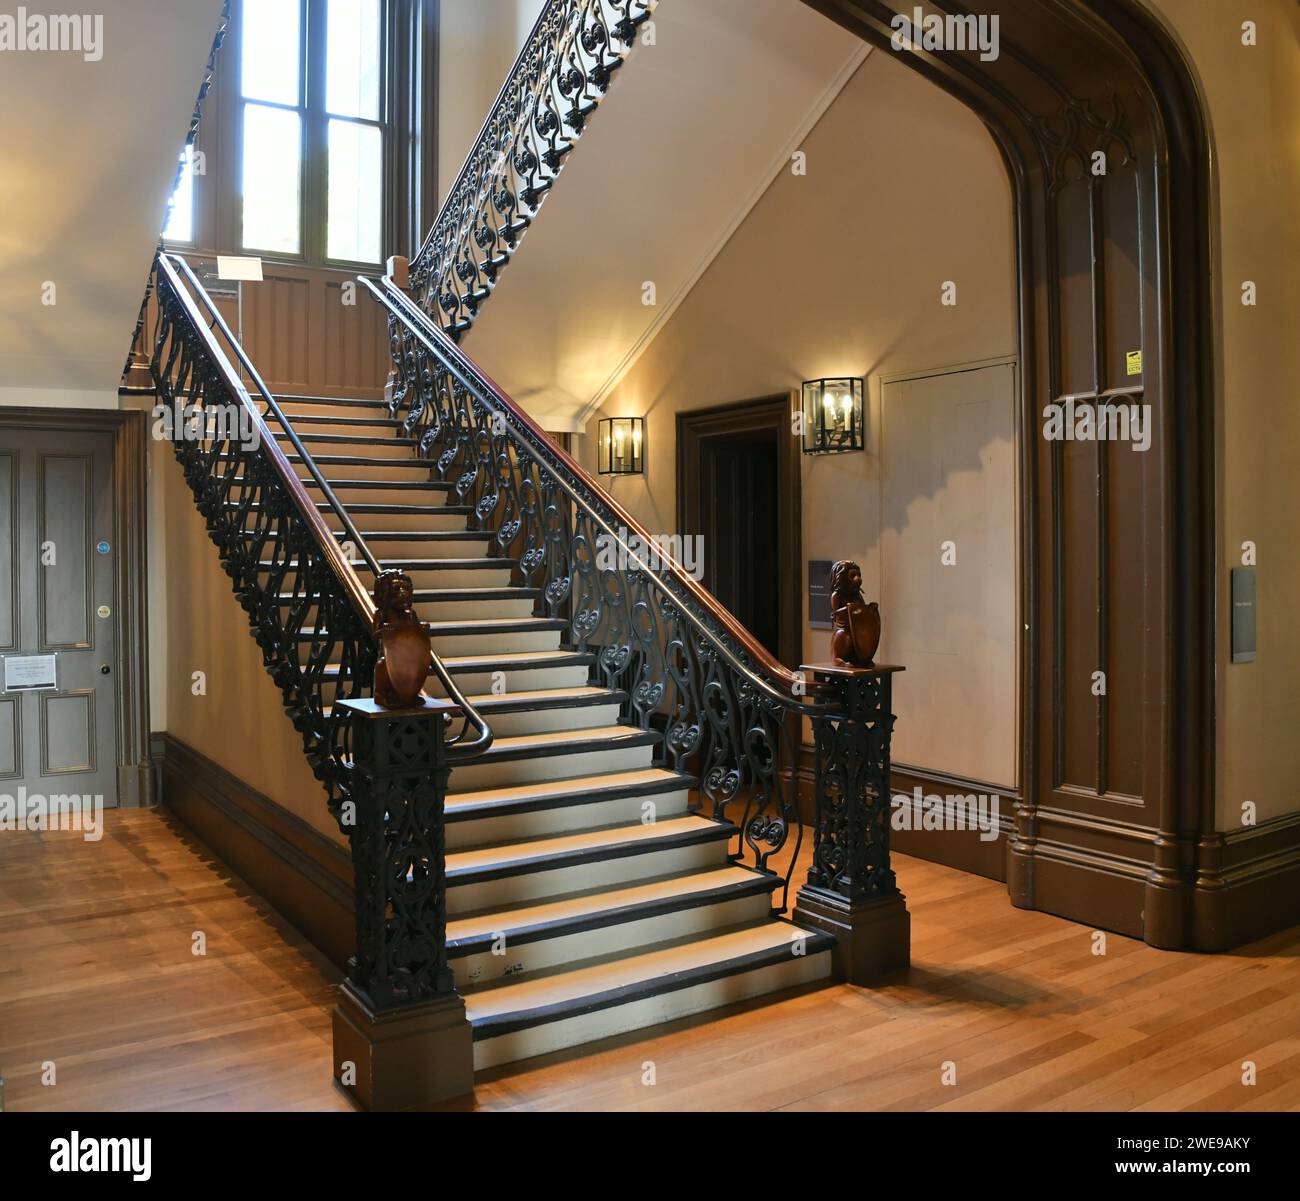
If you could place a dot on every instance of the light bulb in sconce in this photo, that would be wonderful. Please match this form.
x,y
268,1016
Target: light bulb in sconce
x,y
833,415
621,443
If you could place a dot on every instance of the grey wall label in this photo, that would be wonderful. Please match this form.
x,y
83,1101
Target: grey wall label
x,y
1243,614
819,594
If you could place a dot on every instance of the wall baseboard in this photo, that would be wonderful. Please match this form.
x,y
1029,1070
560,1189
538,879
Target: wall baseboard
x,y
1247,884
967,850
305,876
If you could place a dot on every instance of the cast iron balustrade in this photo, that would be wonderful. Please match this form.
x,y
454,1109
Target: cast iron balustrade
x,y
559,78
313,619
730,714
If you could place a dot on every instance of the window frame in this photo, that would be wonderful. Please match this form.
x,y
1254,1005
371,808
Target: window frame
x,y
409,117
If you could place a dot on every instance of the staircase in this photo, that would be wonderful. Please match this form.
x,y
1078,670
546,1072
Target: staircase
x,y
569,845
607,840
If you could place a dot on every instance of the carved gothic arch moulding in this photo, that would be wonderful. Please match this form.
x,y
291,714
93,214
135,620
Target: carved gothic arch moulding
x,y
1118,824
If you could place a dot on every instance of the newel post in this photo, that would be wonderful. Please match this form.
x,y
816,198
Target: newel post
x,y
398,269
401,1037
851,892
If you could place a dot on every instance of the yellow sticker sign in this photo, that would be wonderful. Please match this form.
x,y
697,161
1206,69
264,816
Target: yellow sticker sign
x,y
1134,362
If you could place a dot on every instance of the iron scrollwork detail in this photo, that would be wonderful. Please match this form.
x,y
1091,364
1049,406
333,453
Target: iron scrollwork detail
x,y
558,80
851,842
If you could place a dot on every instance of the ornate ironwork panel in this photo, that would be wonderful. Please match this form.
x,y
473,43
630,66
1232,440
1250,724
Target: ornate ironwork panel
x,y
851,839
563,71
399,856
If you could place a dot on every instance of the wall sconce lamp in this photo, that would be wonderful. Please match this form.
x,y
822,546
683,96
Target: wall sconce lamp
x,y
832,416
622,446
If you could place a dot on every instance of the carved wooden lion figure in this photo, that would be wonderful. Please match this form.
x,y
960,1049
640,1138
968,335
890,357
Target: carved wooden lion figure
x,y
855,634
403,666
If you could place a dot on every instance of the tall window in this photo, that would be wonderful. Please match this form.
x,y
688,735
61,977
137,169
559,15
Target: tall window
x,y
296,136
312,129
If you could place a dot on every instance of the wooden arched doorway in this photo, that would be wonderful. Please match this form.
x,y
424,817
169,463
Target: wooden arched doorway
x,y
1107,147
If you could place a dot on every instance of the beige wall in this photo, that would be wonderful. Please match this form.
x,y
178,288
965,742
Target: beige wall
x,y
1253,96
837,273
479,41
240,723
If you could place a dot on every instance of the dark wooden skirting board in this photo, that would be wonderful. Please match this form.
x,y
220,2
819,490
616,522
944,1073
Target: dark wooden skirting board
x,y
305,876
1248,884
963,849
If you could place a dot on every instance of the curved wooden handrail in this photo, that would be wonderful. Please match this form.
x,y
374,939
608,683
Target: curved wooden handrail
x,y
780,678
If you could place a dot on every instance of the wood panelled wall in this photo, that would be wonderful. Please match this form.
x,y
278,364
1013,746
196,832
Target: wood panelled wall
x,y
301,332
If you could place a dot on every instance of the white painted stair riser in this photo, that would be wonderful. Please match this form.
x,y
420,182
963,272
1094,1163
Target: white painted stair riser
x,y
295,407
514,680
552,720
625,937
495,609
388,450
668,1007
382,496
597,873
490,643
565,819
377,469
413,522
494,774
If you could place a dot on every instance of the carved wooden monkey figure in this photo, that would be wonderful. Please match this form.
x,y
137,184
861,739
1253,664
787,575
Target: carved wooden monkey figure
x,y
403,666
855,634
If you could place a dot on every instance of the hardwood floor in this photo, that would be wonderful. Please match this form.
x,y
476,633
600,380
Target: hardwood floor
x,y
98,976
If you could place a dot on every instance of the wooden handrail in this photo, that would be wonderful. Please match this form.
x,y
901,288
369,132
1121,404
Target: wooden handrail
x,y
792,684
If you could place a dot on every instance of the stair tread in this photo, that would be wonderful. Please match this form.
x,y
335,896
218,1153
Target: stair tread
x,y
612,736
621,902
343,422
330,400
355,439
482,662
503,859
604,782
495,1008
546,698
496,623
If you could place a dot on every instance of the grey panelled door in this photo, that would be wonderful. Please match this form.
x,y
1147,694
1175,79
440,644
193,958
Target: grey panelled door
x,y
56,598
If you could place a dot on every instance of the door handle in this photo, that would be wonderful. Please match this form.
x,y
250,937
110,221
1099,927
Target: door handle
x,y
104,669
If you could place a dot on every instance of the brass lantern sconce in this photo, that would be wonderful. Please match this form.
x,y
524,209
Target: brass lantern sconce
x,y
622,446
832,416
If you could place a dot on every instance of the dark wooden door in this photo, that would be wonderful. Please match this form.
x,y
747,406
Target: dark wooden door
x,y
738,486
738,476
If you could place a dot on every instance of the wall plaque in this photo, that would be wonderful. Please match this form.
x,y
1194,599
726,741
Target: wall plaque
x,y
31,673
819,594
1243,615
